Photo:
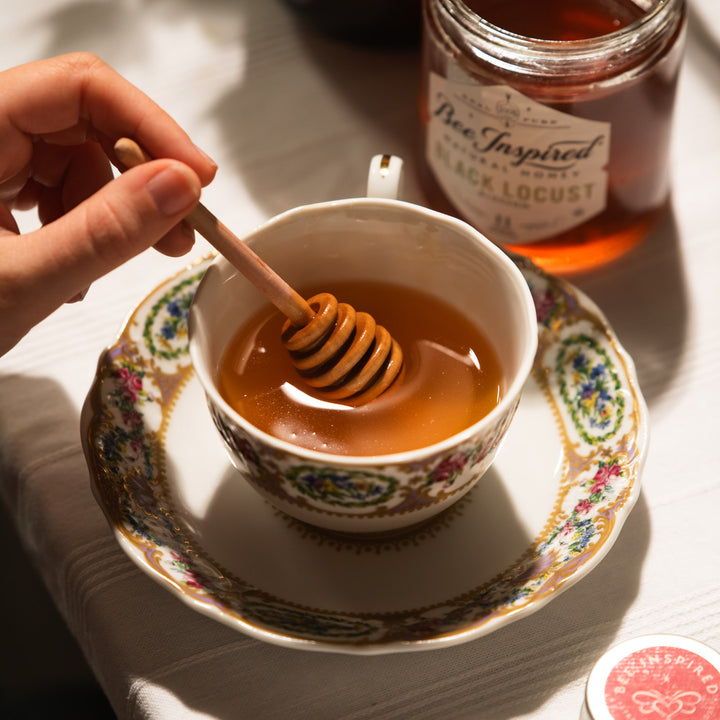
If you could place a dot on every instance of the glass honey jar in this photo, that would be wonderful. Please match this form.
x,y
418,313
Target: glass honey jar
x,y
547,125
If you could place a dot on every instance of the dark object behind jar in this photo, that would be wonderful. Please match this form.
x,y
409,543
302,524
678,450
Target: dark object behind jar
x,y
382,23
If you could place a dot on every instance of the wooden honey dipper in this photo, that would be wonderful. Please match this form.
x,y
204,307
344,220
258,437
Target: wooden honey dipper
x,y
344,354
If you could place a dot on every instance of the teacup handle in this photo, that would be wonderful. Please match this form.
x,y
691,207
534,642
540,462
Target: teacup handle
x,y
385,177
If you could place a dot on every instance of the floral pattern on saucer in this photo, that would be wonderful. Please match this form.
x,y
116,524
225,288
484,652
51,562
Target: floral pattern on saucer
x,y
586,378
590,388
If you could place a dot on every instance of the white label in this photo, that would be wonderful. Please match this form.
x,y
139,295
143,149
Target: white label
x,y
517,170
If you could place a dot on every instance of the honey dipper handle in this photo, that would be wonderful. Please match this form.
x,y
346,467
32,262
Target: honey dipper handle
x,y
284,297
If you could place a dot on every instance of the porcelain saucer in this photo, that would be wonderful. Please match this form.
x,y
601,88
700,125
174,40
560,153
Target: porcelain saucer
x,y
546,513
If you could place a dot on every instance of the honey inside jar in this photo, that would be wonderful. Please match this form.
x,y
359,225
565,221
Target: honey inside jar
x,y
451,378
558,19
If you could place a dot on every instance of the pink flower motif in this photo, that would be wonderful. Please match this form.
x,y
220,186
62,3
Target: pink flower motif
x,y
603,476
448,468
132,418
543,305
245,449
598,486
130,382
584,506
567,528
606,472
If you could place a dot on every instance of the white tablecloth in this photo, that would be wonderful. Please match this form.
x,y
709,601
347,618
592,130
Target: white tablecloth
x,y
293,117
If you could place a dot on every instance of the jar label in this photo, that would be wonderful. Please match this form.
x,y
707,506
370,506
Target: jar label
x,y
516,169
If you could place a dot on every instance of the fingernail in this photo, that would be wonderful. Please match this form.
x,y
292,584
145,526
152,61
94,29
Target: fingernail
x,y
206,156
174,189
78,297
187,230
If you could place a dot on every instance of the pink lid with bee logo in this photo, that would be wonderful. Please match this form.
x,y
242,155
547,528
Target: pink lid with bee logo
x,y
656,677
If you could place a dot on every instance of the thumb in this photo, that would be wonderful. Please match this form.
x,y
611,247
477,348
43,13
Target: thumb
x,y
123,218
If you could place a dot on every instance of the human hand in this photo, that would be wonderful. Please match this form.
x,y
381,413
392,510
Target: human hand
x,y
59,119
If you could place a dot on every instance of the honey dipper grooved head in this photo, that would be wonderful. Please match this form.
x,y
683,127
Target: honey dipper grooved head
x,y
342,353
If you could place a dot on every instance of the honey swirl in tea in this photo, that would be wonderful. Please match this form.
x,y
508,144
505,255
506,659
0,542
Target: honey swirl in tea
x,y
451,378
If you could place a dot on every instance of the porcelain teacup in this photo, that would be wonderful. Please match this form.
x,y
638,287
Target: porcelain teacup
x,y
383,239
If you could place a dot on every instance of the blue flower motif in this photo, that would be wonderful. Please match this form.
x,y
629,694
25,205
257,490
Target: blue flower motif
x,y
586,536
174,309
597,371
579,361
109,445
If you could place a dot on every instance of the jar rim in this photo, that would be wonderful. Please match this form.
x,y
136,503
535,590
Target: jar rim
x,y
642,30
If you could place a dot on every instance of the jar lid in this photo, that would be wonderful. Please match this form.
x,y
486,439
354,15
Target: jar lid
x,y
655,677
